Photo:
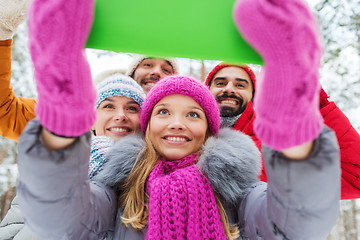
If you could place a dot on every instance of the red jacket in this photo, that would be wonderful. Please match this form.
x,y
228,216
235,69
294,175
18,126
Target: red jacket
x,y
348,138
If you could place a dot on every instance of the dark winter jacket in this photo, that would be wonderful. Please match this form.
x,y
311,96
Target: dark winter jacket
x,y
301,200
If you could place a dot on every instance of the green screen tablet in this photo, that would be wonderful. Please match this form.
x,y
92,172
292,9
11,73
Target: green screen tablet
x,y
198,29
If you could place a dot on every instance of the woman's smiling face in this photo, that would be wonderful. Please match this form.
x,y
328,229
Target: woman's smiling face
x,y
177,127
117,117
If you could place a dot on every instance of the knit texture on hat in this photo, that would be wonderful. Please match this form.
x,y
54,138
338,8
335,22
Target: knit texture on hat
x,y
100,145
220,66
58,31
184,86
182,203
119,85
139,58
287,98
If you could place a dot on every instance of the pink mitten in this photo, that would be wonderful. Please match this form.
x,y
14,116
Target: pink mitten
x,y
285,33
58,30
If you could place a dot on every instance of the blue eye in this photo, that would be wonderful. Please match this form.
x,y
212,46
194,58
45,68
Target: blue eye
x,y
193,115
163,112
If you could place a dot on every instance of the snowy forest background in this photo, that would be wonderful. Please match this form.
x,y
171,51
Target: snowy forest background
x,y
340,76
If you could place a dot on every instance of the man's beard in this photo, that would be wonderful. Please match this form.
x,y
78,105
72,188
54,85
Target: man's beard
x,y
229,111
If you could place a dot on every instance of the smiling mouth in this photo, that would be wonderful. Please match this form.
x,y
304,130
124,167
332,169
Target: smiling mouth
x,y
119,129
227,101
177,139
150,84
151,81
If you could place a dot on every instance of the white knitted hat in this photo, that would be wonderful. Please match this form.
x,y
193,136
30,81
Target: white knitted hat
x,y
137,59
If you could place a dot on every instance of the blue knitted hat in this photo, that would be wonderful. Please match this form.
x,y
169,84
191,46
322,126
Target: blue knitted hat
x,y
119,85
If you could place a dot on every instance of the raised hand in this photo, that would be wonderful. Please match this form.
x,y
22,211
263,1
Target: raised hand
x,y
285,33
12,13
58,30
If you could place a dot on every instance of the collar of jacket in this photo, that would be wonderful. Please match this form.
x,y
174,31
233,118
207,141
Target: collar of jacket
x,y
231,161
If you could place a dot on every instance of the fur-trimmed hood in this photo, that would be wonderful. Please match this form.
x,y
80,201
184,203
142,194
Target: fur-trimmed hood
x,y
231,161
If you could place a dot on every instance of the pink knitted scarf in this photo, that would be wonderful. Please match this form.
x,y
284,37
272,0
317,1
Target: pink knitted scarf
x,y
182,203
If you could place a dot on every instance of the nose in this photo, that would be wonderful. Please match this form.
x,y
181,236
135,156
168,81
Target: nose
x,y
156,71
229,88
120,116
177,123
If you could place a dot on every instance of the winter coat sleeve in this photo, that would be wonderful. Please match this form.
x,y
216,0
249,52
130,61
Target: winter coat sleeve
x,y
15,111
301,199
13,226
56,198
349,143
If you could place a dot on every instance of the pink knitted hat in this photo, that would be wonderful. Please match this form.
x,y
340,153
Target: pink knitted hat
x,y
185,86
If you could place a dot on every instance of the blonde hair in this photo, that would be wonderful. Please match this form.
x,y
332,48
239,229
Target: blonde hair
x,y
134,199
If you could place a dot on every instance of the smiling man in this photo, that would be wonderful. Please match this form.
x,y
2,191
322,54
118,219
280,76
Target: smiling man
x,y
233,88
147,71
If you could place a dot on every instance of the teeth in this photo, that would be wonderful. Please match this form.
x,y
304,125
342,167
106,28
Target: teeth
x,y
118,129
229,102
176,139
150,84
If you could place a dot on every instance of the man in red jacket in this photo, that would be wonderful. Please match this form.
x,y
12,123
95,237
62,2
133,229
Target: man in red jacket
x,y
234,86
